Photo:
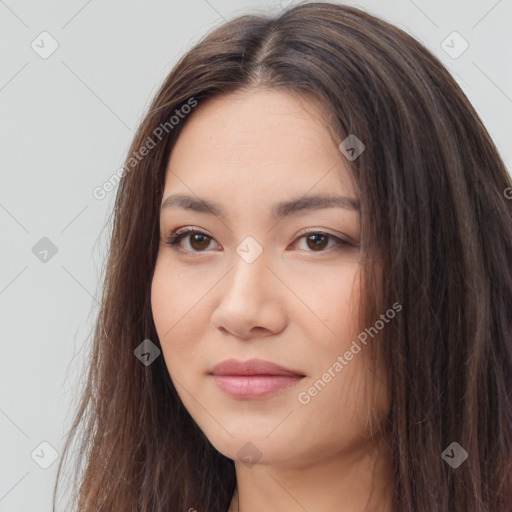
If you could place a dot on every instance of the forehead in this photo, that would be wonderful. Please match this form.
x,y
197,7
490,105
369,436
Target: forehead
x,y
258,142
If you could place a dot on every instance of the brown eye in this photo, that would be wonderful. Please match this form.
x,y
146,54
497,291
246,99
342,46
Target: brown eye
x,y
198,241
317,241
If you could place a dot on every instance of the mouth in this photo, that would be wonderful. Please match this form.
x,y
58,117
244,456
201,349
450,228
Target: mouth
x,y
254,378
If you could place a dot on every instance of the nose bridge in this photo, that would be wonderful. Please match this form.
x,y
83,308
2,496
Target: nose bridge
x,y
249,265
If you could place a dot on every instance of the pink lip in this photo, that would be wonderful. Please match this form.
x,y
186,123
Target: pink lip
x,y
254,378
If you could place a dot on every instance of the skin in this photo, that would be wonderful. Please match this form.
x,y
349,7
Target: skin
x,y
295,305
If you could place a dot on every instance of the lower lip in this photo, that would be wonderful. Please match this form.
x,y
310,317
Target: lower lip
x,y
254,386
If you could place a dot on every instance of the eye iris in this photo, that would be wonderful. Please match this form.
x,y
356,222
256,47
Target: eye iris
x,y
203,240
317,244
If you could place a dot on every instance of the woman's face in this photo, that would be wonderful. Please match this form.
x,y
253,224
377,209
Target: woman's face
x,y
252,285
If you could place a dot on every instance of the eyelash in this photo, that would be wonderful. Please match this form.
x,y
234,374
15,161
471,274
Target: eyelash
x,y
175,238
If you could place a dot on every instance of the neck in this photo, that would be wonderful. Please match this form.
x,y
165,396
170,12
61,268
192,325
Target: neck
x,y
360,480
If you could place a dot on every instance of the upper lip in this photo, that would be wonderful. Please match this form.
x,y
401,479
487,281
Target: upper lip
x,y
251,367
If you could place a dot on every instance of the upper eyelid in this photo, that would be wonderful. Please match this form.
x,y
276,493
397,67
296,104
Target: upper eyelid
x,y
188,230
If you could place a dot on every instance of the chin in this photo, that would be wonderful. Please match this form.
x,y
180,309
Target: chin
x,y
253,445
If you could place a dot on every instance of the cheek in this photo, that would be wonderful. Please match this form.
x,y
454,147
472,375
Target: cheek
x,y
333,298
177,313
351,387
345,305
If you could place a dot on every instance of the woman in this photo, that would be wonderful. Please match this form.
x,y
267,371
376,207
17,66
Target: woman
x,y
308,295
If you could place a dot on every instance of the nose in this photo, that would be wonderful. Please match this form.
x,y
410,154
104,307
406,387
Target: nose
x,y
250,301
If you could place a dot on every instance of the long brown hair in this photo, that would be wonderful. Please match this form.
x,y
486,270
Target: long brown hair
x,y
434,216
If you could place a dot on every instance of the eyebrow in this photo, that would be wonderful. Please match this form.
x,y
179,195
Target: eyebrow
x,y
294,206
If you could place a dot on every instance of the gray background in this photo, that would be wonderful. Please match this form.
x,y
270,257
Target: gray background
x,y
67,122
